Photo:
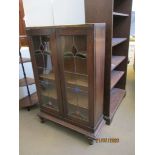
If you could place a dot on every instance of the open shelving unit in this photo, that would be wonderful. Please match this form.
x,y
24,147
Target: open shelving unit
x,y
117,15
31,99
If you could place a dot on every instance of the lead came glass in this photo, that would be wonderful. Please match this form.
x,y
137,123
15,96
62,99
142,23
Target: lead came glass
x,y
76,77
46,71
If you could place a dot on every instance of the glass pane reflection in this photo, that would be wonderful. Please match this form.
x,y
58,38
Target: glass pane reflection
x,y
45,68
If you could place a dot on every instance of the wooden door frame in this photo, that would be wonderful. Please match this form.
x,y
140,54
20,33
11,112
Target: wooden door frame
x,y
36,75
88,31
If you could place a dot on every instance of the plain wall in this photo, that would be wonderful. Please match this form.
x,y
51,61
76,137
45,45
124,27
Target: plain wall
x,y
53,12
38,12
68,12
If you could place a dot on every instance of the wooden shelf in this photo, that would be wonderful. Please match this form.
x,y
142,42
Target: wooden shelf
x,y
82,99
82,112
116,41
51,93
25,102
116,60
50,76
116,97
79,81
71,97
25,60
120,14
115,77
22,81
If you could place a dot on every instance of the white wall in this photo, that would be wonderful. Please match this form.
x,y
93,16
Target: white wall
x,y
68,12
38,12
53,12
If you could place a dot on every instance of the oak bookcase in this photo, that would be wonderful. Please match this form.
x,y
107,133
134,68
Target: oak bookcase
x,y
68,64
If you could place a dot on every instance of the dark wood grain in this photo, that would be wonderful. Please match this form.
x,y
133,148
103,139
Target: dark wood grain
x,y
116,97
94,34
99,11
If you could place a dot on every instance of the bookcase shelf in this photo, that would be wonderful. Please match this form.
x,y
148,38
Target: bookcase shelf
x,y
71,81
116,60
120,14
116,97
116,41
115,77
48,76
49,93
117,15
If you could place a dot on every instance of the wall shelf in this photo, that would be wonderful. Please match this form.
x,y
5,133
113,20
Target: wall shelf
x,y
69,81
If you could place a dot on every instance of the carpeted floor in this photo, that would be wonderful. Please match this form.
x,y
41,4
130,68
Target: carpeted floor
x,y
50,139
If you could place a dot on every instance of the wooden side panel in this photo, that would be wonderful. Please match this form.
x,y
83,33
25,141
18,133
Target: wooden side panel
x,y
100,11
22,32
99,70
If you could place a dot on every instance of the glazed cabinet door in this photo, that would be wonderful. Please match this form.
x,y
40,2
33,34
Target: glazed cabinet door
x,y
46,70
76,81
